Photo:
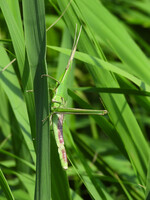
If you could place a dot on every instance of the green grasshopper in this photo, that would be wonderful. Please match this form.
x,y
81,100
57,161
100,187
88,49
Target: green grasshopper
x,y
58,107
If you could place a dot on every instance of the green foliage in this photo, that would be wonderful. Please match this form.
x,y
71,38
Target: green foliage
x,y
108,155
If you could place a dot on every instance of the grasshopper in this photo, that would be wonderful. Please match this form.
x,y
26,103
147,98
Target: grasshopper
x,y
58,108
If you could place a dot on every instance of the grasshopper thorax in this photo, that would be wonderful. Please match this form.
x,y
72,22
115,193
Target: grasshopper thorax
x,y
57,102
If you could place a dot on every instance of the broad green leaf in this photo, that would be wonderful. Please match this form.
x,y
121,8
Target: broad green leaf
x,y
35,39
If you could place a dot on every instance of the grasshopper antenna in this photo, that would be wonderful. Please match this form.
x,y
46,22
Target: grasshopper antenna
x,y
8,65
60,16
75,43
69,64
50,77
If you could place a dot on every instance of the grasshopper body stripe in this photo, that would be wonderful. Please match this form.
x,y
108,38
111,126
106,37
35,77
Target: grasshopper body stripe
x,y
58,130
63,156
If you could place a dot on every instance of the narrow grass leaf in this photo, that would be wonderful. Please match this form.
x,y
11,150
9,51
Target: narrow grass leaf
x,y
10,85
119,111
102,122
96,188
96,62
18,158
5,187
75,196
113,90
17,36
102,22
